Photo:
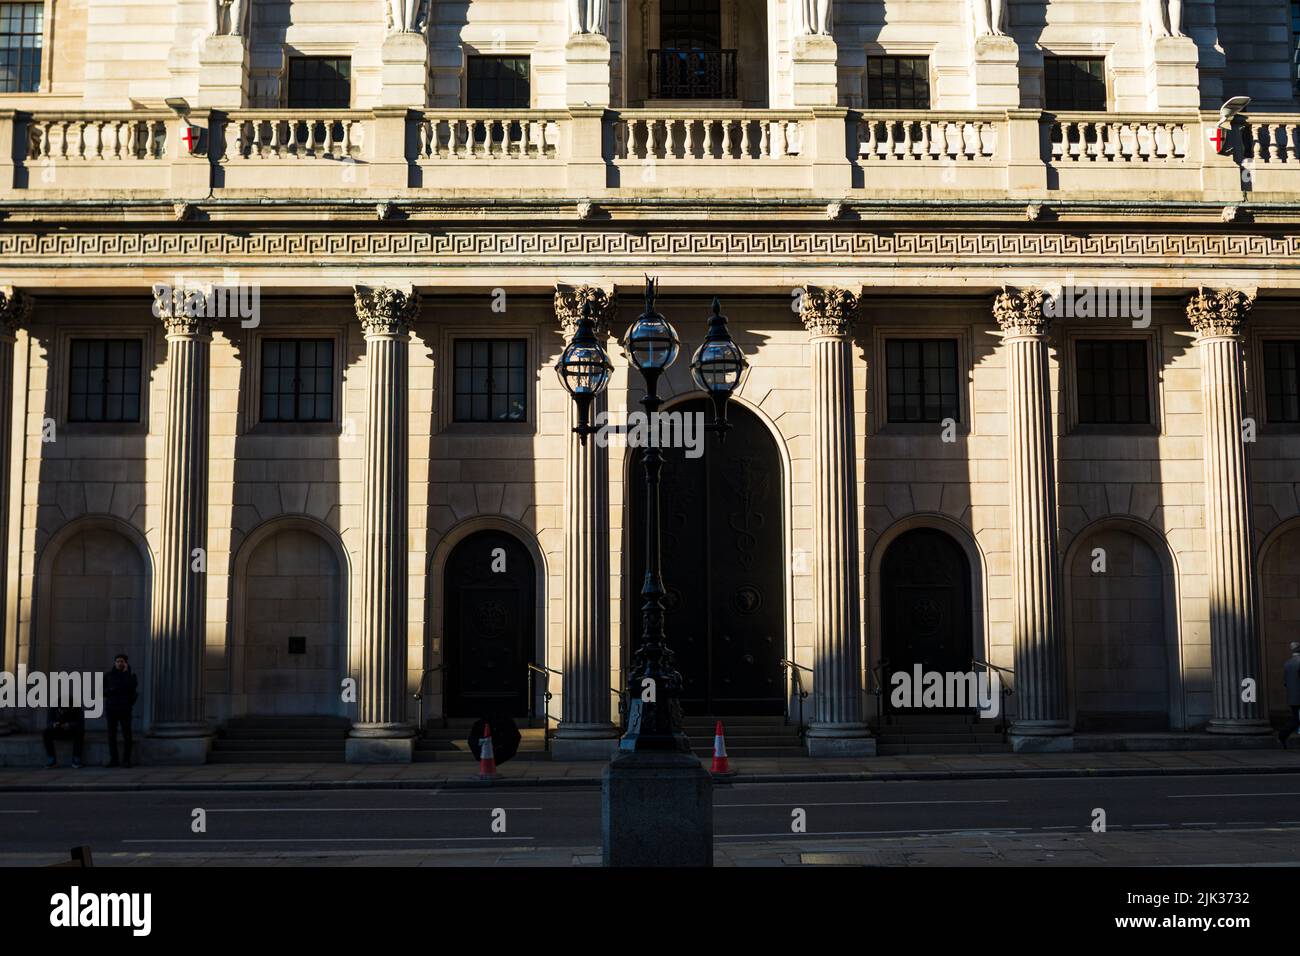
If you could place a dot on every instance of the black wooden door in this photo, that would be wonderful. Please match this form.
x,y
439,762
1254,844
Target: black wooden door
x,y
489,594
723,559
926,606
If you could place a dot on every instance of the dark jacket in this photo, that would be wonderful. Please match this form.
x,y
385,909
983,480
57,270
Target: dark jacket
x,y
72,718
1291,678
119,690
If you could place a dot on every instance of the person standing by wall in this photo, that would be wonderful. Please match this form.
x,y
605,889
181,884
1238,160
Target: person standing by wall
x,y
120,693
1291,681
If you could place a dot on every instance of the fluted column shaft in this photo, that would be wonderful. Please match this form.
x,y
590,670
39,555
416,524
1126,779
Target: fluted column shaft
x,y
179,616
1035,561
585,709
386,316
1218,318
837,664
15,309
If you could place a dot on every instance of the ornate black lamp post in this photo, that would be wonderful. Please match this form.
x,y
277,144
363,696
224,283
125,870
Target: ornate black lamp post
x,y
718,367
657,804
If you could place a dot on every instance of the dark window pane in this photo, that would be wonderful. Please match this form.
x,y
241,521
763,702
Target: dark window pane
x,y
1074,83
104,380
921,380
497,82
898,83
21,40
320,83
1112,382
297,380
1282,381
490,380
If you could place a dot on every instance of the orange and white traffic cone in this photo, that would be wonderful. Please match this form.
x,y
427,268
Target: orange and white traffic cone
x,y
720,764
487,761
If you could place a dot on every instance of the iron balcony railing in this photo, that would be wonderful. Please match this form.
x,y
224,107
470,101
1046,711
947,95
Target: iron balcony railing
x,y
692,74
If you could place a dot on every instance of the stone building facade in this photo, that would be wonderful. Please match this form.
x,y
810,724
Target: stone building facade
x,y
285,282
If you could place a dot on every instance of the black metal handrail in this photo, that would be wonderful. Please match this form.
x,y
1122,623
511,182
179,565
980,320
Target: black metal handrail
x,y
878,678
1004,725
797,689
546,673
692,74
419,691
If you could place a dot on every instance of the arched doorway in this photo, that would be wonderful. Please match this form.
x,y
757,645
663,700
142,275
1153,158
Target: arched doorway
x,y
724,558
1279,588
291,628
1120,651
98,594
489,588
925,595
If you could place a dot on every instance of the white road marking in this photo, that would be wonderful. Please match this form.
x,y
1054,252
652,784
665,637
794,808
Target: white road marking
x,y
495,839
867,803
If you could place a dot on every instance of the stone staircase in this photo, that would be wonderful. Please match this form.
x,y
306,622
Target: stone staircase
x,y
746,736
443,743
938,734
255,740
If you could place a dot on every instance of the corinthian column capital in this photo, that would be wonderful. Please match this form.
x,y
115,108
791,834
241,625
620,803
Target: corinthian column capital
x,y
1020,311
185,310
386,311
15,310
828,311
1219,311
569,301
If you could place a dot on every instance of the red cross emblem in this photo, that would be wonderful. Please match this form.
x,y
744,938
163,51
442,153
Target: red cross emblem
x,y
1219,140
191,137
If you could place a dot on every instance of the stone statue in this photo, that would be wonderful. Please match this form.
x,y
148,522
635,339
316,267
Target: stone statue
x,y
990,17
405,16
1164,18
588,16
228,17
810,17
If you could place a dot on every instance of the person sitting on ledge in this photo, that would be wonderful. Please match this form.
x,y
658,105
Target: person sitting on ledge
x,y
65,723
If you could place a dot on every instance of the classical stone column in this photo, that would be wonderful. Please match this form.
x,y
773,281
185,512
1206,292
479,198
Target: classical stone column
x,y
179,724
1040,722
381,733
585,730
837,727
15,310
1217,317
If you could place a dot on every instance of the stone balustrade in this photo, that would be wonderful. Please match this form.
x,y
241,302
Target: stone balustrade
x,y
296,134
502,134
61,137
888,136
386,153
1089,138
707,135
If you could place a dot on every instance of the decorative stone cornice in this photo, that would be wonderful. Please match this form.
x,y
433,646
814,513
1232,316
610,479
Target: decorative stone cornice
x,y
1219,311
15,310
569,301
386,311
828,311
1020,311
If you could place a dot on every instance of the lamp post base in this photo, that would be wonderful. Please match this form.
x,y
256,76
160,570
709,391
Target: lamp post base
x,y
656,810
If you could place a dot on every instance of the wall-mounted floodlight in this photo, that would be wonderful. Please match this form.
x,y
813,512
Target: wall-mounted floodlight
x,y
178,105
1229,110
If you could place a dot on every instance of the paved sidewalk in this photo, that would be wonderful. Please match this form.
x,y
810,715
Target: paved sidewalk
x,y
1117,847
463,774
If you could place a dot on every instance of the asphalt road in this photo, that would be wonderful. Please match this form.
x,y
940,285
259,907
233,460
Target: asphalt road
x,y
377,820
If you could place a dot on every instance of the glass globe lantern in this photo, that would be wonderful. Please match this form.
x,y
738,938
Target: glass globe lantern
x,y
651,342
584,369
719,367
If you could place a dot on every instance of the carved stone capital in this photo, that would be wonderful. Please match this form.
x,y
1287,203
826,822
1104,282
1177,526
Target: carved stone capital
x,y
15,310
1219,311
1020,311
185,310
386,311
569,301
828,311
